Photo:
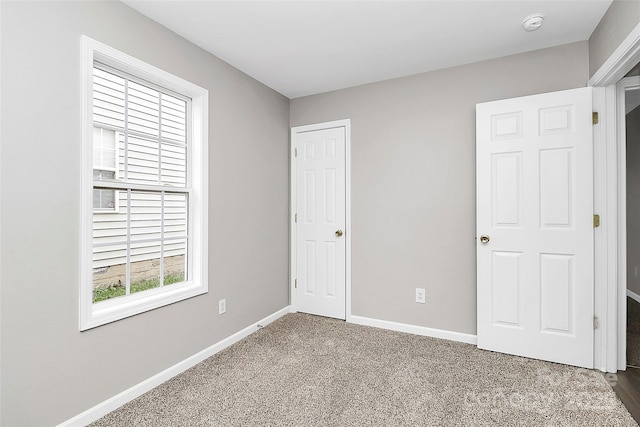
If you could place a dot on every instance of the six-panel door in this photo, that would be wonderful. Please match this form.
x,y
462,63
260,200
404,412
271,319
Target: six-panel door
x,y
535,203
321,217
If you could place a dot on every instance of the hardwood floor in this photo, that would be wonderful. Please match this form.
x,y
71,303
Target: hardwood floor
x,y
627,387
633,332
626,384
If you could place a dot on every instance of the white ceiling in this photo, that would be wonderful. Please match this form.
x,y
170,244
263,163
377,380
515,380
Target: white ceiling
x,y
305,47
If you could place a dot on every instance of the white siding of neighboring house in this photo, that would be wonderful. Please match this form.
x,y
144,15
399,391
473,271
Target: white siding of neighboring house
x,y
149,144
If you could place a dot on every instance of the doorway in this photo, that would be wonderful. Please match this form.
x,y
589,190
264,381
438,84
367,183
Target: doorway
x,y
627,380
629,94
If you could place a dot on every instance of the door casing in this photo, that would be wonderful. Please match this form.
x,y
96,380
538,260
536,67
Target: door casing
x,y
346,124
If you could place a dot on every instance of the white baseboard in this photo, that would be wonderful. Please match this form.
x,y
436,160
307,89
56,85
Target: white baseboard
x,y
416,330
633,295
102,409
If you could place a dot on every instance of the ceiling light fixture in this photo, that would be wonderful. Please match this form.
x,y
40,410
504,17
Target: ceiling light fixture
x,y
533,22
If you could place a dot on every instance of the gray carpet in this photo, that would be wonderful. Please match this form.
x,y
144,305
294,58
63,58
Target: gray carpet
x,y
305,370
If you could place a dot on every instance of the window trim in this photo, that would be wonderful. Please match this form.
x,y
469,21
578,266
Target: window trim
x,y
92,315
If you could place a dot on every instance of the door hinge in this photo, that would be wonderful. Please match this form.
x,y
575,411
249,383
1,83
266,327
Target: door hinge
x,y
596,221
295,152
295,283
295,218
595,119
596,322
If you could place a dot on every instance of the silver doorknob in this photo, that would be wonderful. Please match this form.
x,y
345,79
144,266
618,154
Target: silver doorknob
x,y
484,239
339,233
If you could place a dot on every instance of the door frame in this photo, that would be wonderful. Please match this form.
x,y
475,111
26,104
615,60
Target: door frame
x,y
610,203
346,124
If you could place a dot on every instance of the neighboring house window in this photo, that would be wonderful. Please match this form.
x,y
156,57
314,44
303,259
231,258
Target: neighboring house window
x,y
144,187
104,169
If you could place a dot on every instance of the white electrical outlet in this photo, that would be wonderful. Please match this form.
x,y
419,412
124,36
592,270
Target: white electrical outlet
x,y
222,306
421,295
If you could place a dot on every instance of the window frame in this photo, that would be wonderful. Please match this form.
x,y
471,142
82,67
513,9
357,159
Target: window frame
x,y
96,314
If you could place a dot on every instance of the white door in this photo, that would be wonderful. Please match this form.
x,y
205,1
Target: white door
x,y
320,219
534,165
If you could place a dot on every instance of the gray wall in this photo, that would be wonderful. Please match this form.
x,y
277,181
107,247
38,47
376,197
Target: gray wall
x,y
621,17
413,179
633,200
50,371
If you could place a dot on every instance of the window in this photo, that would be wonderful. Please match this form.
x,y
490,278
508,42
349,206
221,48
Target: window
x,y
104,169
144,187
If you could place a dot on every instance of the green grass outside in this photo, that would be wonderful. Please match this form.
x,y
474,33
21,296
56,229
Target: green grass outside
x,y
102,294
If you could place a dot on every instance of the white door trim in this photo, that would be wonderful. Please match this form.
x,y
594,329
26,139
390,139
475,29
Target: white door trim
x,y
609,181
621,61
346,124
606,242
